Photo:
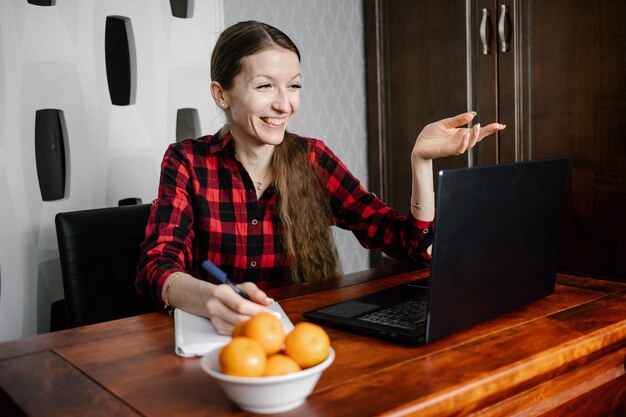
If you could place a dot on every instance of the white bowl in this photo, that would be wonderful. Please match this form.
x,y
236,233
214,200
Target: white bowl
x,y
270,394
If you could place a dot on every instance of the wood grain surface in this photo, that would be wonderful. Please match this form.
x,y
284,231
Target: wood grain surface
x,y
561,355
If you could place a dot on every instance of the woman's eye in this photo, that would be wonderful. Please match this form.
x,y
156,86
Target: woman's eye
x,y
296,86
264,86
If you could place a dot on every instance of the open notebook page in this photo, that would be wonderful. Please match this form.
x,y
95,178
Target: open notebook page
x,y
196,336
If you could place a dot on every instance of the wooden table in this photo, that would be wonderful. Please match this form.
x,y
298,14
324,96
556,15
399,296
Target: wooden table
x,y
560,356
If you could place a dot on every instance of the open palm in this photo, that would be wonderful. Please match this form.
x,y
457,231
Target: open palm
x,y
446,138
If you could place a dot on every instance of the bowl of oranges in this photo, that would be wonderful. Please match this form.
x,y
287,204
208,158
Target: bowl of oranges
x,y
264,370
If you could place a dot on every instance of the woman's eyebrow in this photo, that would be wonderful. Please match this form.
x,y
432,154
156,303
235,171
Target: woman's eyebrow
x,y
298,75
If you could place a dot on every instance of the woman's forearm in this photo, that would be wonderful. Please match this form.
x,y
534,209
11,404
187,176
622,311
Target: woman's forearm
x,y
422,192
183,291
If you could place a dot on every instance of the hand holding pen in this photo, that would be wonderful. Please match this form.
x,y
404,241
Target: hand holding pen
x,y
236,310
221,276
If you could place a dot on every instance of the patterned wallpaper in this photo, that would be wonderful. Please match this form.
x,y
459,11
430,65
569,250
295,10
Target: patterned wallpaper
x,y
329,34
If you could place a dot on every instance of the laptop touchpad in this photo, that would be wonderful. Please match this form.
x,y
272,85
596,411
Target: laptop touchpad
x,y
348,309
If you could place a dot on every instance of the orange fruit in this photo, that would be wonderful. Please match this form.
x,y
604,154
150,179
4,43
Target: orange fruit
x,y
239,329
243,356
266,329
280,364
308,344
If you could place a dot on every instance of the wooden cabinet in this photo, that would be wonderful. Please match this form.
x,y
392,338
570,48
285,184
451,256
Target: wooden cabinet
x,y
558,83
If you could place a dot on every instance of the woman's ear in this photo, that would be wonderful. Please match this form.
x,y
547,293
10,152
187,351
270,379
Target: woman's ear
x,y
219,95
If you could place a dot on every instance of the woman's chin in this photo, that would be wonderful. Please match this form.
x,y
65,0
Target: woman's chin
x,y
274,138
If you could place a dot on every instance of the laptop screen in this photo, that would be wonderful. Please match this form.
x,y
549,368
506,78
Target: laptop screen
x,y
496,248
496,241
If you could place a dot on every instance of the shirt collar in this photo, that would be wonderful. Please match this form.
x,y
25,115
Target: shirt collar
x,y
222,142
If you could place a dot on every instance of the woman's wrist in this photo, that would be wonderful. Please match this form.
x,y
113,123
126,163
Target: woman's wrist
x,y
168,289
417,156
422,170
421,165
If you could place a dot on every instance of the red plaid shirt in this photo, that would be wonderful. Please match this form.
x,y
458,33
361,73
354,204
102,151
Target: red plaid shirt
x,y
207,209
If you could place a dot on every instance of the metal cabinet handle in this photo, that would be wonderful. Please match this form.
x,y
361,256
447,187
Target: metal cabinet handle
x,y
504,29
485,32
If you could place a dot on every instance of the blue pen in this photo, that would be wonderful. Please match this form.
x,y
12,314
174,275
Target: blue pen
x,y
221,276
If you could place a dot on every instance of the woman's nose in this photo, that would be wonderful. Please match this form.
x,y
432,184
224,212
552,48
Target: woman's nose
x,y
281,102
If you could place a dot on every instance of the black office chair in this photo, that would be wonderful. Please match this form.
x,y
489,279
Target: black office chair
x,y
99,252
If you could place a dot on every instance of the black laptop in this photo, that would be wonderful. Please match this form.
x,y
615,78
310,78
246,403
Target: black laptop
x,y
496,248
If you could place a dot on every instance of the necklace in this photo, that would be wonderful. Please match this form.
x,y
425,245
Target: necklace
x,y
259,183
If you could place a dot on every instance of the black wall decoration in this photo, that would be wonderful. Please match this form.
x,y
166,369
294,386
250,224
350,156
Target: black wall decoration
x,y
118,59
187,124
50,153
182,8
42,2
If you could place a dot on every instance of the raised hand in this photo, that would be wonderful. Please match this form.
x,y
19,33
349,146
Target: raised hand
x,y
446,137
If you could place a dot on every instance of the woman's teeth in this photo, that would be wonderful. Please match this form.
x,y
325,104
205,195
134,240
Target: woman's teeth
x,y
273,121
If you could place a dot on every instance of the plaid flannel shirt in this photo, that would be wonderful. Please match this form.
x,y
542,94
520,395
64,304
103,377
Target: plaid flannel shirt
x,y
207,208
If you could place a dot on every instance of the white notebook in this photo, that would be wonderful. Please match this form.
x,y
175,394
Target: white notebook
x,y
196,336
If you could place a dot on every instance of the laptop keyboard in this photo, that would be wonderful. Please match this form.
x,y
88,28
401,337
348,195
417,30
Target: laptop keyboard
x,y
405,315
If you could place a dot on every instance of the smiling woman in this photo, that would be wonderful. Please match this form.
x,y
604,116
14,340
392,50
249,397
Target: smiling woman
x,y
258,201
264,97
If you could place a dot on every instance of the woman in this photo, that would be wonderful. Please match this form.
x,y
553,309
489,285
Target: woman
x,y
258,201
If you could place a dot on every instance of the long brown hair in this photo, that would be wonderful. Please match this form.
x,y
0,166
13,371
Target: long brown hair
x,y
303,204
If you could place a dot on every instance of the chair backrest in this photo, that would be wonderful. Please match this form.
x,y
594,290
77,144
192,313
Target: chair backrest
x,y
99,251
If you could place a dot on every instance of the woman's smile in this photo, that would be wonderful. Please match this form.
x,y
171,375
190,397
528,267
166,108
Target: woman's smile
x,y
274,121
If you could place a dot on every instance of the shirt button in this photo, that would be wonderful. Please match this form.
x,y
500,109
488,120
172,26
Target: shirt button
x,y
253,264
255,222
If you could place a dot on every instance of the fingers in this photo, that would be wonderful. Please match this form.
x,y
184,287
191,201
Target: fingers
x,y
459,119
256,294
226,308
474,136
465,118
223,318
478,133
238,304
462,147
490,129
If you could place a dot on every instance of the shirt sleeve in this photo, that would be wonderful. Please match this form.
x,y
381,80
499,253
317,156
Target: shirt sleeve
x,y
167,247
374,224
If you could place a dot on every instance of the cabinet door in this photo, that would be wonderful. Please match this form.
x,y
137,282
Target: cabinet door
x,y
558,84
417,74
492,49
556,76
571,85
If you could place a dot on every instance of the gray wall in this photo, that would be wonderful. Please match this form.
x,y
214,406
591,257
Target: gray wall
x,y
329,34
